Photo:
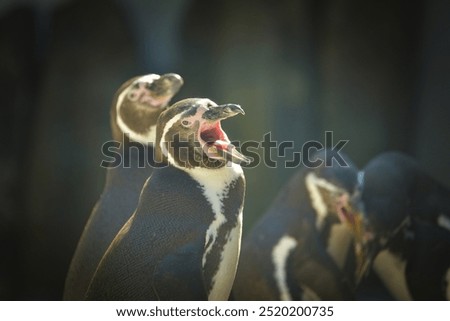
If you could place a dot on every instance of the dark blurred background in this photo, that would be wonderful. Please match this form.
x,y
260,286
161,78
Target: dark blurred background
x,y
376,73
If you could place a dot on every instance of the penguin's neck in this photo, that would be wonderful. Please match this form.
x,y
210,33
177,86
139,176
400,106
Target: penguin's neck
x,y
223,236
135,120
216,183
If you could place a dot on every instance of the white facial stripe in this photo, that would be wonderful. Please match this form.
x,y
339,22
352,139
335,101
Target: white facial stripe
x,y
312,184
391,271
147,78
339,243
150,135
162,143
340,237
120,100
280,254
444,221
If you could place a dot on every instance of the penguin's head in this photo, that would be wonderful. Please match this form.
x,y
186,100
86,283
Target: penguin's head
x,y
138,104
334,189
189,134
336,198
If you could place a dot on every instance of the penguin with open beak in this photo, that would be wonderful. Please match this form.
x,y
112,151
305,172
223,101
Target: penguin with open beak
x,y
135,109
183,240
309,244
408,223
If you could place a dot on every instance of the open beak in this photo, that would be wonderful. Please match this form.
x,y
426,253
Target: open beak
x,y
214,140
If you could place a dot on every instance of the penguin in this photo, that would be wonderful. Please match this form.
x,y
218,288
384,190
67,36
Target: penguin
x,y
308,244
135,109
407,214
183,240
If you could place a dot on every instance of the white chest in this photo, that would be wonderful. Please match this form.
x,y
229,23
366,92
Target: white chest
x,y
215,186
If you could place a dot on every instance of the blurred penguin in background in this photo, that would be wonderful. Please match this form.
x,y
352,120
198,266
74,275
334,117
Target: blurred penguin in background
x,y
408,220
308,246
136,107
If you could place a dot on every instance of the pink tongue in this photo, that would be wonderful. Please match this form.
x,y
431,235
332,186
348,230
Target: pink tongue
x,y
221,144
214,136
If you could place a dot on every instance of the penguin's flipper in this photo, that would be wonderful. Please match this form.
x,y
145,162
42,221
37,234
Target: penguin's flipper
x,y
179,275
124,273
119,273
133,268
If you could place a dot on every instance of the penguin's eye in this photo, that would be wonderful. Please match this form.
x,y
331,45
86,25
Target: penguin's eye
x,y
186,123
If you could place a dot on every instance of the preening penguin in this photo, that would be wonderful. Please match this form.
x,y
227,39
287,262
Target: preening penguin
x,y
408,218
183,240
136,107
309,243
